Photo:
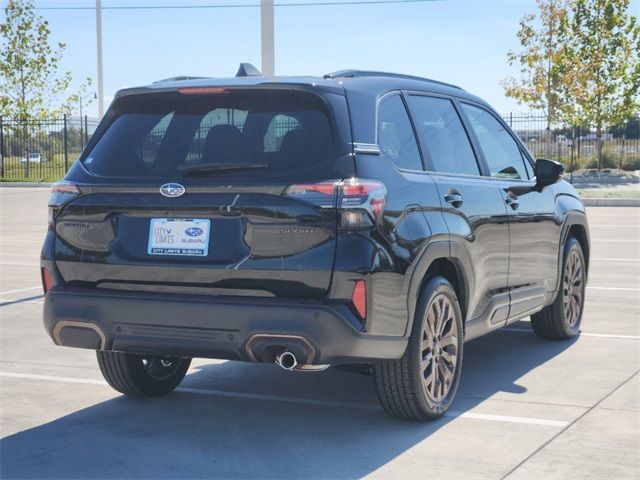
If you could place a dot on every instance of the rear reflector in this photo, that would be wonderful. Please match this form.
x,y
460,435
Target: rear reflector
x,y
359,298
202,90
47,279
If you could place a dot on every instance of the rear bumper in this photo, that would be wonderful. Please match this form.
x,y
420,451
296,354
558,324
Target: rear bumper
x,y
236,328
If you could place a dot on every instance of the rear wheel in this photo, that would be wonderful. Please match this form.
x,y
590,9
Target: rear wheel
x,y
423,383
142,375
561,320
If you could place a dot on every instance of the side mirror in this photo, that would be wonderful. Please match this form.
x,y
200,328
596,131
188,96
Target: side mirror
x,y
547,172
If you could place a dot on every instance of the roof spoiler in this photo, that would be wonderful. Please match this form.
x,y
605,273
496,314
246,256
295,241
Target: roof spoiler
x,y
248,70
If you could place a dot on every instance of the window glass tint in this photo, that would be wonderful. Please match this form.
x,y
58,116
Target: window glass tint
x,y
501,151
442,134
395,134
163,135
219,116
278,128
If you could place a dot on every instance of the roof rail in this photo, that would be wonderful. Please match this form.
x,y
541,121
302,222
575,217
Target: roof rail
x,y
179,78
368,73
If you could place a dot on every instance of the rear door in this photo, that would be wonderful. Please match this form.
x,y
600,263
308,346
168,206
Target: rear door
x,y
243,208
473,207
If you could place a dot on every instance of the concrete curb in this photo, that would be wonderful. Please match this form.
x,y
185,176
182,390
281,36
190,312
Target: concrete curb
x,y
611,202
25,184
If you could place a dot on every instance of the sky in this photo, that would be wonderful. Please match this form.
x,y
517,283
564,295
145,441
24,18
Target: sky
x,y
463,42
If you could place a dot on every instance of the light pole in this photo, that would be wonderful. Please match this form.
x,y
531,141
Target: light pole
x,y
80,100
99,46
267,34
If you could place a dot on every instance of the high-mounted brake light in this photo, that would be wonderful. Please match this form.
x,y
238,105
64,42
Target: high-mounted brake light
x,y
359,298
202,90
61,193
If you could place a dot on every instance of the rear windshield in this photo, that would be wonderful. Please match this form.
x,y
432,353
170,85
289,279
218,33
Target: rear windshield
x,y
253,132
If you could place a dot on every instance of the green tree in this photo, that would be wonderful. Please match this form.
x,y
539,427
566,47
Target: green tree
x,y
603,50
31,86
542,37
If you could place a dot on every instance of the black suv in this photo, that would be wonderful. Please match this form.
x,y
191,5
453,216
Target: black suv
x,y
359,218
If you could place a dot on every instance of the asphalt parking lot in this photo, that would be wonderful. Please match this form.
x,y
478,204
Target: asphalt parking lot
x,y
526,408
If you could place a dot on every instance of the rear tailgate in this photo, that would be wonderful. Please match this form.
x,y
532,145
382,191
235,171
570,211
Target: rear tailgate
x,y
231,232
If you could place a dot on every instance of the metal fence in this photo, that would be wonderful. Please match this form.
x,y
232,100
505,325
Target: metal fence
x,y
42,150
575,146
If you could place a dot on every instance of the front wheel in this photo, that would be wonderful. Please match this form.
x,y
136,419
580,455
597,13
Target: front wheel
x,y
423,383
561,320
142,375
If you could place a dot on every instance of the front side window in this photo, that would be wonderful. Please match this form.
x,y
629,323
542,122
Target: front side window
x,y
395,135
502,153
444,140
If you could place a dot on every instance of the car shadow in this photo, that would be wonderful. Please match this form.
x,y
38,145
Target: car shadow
x,y
242,433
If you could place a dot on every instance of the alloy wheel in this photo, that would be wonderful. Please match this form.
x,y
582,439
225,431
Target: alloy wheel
x,y
573,286
439,348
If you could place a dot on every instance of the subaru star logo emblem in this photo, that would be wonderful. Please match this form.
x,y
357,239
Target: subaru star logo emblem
x,y
172,190
194,231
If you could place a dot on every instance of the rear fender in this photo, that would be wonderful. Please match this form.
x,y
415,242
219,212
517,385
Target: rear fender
x,y
573,212
455,253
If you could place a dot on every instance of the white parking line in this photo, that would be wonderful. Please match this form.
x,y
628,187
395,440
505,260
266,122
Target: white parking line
x,y
37,287
4,302
582,334
626,289
613,225
303,401
49,378
615,240
18,264
600,259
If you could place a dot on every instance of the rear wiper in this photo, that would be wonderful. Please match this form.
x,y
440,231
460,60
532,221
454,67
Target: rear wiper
x,y
222,167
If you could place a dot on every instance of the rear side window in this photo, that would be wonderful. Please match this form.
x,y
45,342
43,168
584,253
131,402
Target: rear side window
x,y
443,138
395,134
168,134
502,153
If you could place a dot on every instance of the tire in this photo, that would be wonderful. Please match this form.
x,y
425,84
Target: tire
x,y
561,320
406,387
142,375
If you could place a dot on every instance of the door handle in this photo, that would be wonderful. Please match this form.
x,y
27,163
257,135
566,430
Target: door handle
x,y
454,198
513,202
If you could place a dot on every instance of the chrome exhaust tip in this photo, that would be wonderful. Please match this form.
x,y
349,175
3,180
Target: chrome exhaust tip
x,y
287,360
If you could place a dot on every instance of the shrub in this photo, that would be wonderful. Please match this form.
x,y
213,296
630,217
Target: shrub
x,y
609,160
631,163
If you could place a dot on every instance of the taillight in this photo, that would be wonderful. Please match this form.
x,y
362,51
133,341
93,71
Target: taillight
x,y
321,194
361,203
61,193
359,298
47,279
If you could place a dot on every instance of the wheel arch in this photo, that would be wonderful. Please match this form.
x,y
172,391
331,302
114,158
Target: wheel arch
x,y
574,225
450,260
